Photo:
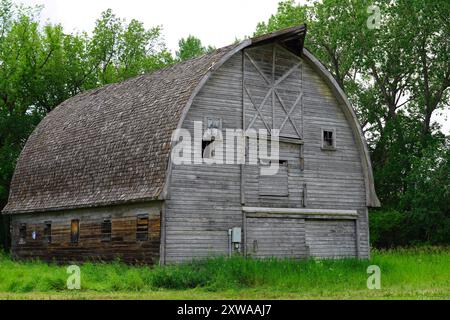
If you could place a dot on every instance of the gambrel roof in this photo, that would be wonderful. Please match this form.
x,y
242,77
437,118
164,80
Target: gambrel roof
x,y
112,145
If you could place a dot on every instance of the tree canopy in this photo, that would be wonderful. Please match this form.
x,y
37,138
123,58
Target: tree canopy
x,y
191,47
392,60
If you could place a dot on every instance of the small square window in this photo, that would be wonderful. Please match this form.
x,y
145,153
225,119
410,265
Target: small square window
x,y
213,129
22,233
48,232
328,139
74,231
142,228
213,123
106,230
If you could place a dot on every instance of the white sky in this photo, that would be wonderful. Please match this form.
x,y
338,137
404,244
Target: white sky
x,y
215,22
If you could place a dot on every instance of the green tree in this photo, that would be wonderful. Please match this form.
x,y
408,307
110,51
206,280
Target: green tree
x,y
191,47
41,66
396,75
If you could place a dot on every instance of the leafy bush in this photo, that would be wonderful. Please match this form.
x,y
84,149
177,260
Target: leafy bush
x,y
387,228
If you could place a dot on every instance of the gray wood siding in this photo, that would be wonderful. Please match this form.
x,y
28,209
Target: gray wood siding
x,y
334,178
331,238
253,197
276,237
205,200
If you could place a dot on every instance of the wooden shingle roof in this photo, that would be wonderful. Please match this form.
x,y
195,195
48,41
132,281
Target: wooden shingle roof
x,y
109,145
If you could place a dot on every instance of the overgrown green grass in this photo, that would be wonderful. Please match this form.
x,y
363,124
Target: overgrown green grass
x,y
405,273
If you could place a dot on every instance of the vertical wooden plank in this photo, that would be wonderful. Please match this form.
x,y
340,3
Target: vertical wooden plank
x,y
243,130
302,158
357,240
273,82
244,227
162,250
305,195
302,130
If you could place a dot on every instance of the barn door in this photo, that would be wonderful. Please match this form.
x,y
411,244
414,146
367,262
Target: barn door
x,y
272,90
278,237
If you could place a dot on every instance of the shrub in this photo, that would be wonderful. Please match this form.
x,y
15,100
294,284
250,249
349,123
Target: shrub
x,y
387,228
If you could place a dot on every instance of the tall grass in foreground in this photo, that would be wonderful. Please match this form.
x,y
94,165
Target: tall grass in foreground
x,y
410,269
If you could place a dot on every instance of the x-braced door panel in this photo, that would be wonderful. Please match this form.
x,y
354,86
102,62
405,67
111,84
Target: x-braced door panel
x,y
273,91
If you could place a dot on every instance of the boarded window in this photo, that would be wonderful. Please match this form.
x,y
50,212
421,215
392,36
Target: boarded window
x,y
75,231
328,139
106,230
275,185
142,228
48,232
22,233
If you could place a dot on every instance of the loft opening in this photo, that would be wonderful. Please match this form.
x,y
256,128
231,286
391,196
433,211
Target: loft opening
x,y
328,139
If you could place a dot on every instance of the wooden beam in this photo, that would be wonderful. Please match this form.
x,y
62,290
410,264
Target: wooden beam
x,y
289,113
258,69
258,109
334,212
273,81
357,235
243,130
305,195
287,74
250,215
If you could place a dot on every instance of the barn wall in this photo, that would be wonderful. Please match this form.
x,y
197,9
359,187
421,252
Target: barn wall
x,y
123,242
205,200
282,237
334,179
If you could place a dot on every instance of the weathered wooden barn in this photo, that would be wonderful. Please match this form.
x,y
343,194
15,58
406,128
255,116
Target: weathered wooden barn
x,y
96,181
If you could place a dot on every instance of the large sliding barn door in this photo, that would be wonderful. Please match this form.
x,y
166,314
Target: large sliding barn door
x,y
279,237
273,90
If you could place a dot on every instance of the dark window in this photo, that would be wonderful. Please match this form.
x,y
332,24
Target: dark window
x,y
106,230
23,233
212,133
206,152
328,139
48,232
75,231
142,228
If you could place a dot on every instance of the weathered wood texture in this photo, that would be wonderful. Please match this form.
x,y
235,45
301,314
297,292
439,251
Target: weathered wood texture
x,y
280,237
331,239
90,247
205,200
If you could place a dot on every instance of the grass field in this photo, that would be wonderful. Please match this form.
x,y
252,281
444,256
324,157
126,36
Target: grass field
x,y
420,273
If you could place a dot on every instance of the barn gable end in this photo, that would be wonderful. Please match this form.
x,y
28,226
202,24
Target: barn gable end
x,y
222,197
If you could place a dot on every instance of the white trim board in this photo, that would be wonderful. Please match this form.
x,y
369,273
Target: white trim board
x,y
328,212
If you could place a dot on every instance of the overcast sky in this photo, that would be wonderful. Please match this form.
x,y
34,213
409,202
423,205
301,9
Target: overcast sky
x,y
215,22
